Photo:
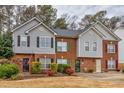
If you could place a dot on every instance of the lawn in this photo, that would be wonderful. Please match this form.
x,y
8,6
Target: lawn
x,y
61,82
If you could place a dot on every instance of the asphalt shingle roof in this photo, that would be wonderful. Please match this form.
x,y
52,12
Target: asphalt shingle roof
x,y
67,33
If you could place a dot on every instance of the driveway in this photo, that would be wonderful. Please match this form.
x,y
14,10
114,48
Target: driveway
x,y
108,76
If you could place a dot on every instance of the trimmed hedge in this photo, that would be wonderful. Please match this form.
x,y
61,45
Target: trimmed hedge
x,y
54,67
8,70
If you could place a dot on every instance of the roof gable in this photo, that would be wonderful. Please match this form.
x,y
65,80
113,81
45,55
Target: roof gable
x,y
28,30
101,33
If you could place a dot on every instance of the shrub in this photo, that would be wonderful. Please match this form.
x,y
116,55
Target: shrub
x,y
70,71
62,68
36,67
54,67
50,73
4,61
17,77
7,70
90,70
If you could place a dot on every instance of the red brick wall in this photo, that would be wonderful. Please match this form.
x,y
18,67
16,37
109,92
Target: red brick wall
x,y
107,56
71,53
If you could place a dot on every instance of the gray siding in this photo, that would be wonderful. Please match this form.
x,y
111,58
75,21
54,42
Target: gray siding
x,y
90,37
38,31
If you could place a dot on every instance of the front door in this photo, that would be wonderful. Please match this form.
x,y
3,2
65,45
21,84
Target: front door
x,y
77,66
26,64
98,65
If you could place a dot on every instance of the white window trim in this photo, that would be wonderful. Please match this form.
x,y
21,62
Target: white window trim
x,y
45,38
45,63
85,46
21,41
62,60
108,49
62,46
114,64
93,46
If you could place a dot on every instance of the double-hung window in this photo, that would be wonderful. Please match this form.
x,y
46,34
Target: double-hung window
x,y
23,41
62,61
94,46
45,63
111,64
62,46
111,48
45,42
86,46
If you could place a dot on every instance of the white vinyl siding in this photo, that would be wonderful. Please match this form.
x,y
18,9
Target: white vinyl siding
x,y
45,42
45,63
62,46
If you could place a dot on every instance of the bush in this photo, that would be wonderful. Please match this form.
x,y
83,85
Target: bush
x,y
17,77
4,61
50,73
36,67
54,67
90,70
70,71
62,68
7,70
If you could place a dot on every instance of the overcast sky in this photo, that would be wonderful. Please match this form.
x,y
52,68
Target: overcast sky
x,y
81,10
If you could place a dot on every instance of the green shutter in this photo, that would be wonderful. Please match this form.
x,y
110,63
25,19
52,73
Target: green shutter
x,y
55,45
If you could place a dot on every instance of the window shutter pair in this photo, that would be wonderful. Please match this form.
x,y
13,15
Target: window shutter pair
x,y
38,42
19,41
68,46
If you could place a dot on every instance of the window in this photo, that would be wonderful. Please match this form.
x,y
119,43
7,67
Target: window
x,y
111,48
45,42
24,41
62,61
111,64
94,46
62,46
45,63
86,46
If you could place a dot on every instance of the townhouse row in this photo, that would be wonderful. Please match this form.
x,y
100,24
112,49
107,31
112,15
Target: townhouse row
x,y
95,47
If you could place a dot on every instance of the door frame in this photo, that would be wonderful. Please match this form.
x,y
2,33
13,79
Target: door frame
x,y
24,69
78,66
98,66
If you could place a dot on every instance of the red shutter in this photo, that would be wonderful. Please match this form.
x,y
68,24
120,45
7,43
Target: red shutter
x,y
106,48
106,63
116,64
116,48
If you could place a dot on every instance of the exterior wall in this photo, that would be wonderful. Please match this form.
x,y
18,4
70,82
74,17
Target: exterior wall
x,y
71,53
90,37
104,31
107,56
87,63
39,31
120,32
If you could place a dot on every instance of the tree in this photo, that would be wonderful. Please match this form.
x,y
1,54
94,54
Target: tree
x,y
99,16
47,14
28,13
6,45
72,23
61,23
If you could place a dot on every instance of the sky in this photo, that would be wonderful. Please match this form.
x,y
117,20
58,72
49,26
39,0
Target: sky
x,y
81,10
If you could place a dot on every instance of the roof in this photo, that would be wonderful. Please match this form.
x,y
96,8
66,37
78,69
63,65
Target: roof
x,y
40,22
67,33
